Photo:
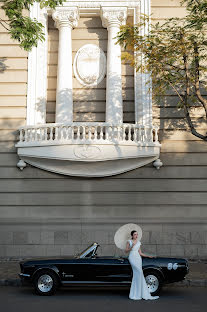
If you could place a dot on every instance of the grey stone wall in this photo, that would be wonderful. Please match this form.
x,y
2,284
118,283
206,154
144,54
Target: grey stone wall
x,y
20,241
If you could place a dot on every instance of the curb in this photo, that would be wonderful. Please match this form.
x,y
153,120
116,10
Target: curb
x,y
189,283
185,283
10,282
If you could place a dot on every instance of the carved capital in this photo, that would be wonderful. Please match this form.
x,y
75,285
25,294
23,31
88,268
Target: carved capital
x,y
66,17
113,16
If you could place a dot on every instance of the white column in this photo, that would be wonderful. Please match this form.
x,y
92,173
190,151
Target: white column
x,y
112,18
65,20
37,72
143,96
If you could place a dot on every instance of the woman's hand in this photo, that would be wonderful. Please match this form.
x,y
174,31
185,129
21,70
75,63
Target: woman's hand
x,y
152,256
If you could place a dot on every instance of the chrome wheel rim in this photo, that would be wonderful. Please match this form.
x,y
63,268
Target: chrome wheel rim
x,y
152,282
45,283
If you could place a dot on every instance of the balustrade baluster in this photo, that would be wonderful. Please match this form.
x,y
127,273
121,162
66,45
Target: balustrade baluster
x,y
40,136
95,132
67,129
101,132
21,135
106,132
78,133
44,134
72,132
51,133
118,133
132,133
35,132
56,133
62,132
129,133
135,134
89,133
145,134
139,134
123,133
113,132
26,135
84,132
151,134
31,136
156,134
109,132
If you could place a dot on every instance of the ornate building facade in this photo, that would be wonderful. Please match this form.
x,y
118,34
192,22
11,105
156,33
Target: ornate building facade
x,y
84,149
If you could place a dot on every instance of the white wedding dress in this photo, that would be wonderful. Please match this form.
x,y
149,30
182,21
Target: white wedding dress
x,y
139,289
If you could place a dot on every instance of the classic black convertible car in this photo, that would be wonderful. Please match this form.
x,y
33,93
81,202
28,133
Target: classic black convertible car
x,y
87,268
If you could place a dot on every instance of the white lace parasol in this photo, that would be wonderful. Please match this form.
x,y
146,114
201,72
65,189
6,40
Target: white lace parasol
x,y
124,233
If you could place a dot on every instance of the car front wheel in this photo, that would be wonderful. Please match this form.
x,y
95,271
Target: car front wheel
x,y
154,282
45,283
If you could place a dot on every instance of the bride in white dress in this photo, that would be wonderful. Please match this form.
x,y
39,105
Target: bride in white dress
x,y
139,289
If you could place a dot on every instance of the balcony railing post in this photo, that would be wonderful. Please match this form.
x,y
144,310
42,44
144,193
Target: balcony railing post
x,y
101,132
21,135
51,133
89,132
156,134
129,133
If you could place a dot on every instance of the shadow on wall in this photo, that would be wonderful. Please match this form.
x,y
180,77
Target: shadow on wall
x,y
90,105
40,107
3,66
170,118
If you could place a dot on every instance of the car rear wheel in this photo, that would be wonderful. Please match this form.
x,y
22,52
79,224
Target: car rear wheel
x,y
45,283
154,282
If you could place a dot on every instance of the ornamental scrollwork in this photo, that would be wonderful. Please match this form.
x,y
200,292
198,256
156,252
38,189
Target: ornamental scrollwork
x,y
64,16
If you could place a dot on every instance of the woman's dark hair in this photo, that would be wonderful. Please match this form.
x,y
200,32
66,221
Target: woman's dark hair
x,y
132,232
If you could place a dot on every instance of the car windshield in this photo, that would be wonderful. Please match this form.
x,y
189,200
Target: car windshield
x,y
83,251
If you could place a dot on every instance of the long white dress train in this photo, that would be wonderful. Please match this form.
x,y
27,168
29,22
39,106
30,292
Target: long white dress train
x,y
139,289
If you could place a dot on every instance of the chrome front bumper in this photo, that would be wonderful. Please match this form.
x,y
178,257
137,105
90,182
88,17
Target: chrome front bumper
x,y
24,275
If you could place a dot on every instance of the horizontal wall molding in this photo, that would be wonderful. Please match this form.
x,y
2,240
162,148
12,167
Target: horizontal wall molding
x,y
79,221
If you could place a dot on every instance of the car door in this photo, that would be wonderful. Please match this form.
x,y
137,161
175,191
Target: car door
x,y
111,269
79,270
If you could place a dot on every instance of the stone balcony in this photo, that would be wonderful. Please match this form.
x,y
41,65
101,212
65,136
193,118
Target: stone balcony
x,y
89,149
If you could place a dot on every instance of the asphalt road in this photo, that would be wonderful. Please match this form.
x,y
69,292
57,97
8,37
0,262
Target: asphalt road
x,y
13,299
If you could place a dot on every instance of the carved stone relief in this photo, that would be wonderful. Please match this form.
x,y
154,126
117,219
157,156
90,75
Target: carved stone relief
x,y
87,151
89,65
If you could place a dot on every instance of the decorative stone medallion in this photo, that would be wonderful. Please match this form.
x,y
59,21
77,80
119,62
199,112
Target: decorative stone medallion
x,y
87,151
90,65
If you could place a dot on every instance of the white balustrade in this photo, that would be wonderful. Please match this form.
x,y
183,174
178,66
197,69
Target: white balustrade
x,y
86,133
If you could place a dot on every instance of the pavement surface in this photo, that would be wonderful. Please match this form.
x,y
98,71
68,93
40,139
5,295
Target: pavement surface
x,y
197,275
191,299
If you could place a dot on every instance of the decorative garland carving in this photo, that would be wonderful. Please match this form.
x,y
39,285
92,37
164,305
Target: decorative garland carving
x,y
87,151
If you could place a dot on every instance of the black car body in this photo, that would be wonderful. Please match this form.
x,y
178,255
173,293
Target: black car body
x,y
87,268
